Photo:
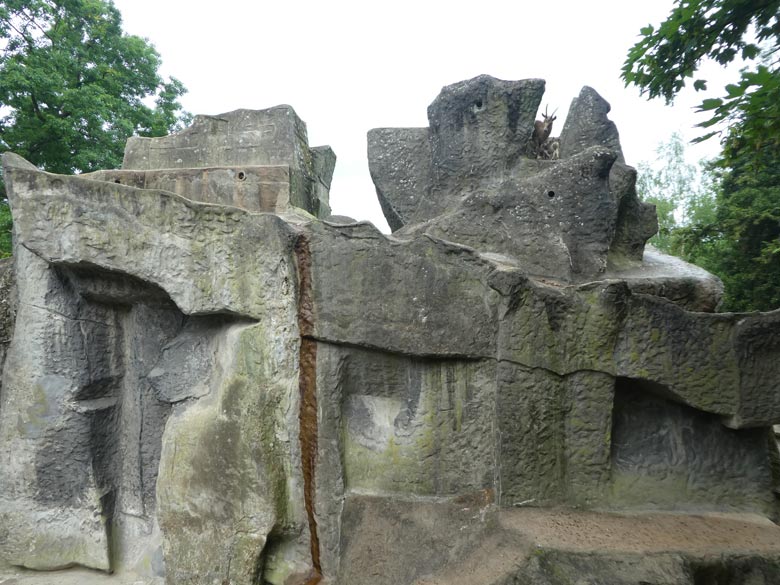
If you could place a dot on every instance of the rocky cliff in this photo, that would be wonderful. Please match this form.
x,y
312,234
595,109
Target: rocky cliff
x,y
212,380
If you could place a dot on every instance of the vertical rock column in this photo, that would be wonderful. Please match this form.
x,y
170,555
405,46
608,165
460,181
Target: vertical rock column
x,y
58,400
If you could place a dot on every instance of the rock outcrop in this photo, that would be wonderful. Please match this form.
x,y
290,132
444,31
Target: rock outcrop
x,y
209,381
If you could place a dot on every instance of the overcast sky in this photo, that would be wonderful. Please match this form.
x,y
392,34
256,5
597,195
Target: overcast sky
x,y
349,66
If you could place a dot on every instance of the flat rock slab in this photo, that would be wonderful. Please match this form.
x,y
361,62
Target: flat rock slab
x,y
707,534
525,545
523,531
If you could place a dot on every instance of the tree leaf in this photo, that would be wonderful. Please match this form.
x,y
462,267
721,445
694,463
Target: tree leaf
x,y
750,51
710,104
734,90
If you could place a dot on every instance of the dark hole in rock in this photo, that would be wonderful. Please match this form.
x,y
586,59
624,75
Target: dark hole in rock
x,y
478,104
241,175
117,181
551,194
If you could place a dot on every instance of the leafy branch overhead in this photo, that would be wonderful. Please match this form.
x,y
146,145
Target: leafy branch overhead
x,y
74,86
734,231
668,57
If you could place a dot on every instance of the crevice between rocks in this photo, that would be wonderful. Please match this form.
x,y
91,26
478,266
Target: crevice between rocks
x,y
307,384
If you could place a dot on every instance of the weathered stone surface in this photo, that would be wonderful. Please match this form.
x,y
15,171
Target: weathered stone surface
x,y
427,537
706,360
587,125
559,567
555,436
192,251
222,487
686,285
698,357
435,299
120,331
79,453
463,544
183,368
275,137
568,218
274,189
478,129
552,547
208,384
400,163
660,549
657,458
636,223
557,223
548,327
392,424
421,427
74,576
559,219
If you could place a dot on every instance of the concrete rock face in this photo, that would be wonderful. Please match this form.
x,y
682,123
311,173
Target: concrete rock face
x,y
478,128
466,179
209,381
256,160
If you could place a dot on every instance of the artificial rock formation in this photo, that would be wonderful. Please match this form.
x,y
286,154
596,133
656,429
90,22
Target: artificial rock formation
x,y
210,381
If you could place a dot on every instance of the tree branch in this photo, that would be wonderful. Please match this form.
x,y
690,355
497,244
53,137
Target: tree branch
x,y
37,108
31,20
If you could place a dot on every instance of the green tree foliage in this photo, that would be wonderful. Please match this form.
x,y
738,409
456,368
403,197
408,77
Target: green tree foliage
x,y
737,238
685,197
666,58
74,87
6,225
673,185
741,242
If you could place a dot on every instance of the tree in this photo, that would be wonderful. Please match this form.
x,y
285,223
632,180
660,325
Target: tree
x,y
723,30
741,243
685,197
74,87
738,238
674,186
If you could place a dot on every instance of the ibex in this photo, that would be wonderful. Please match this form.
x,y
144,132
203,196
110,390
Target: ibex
x,y
542,129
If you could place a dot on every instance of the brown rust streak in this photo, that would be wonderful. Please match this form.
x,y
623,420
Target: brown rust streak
x,y
307,385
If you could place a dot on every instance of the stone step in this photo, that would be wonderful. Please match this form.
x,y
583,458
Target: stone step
x,y
451,543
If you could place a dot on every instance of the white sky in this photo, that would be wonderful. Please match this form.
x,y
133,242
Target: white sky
x,y
348,66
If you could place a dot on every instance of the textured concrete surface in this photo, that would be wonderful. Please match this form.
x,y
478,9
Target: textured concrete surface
x,y
552,546
207,383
